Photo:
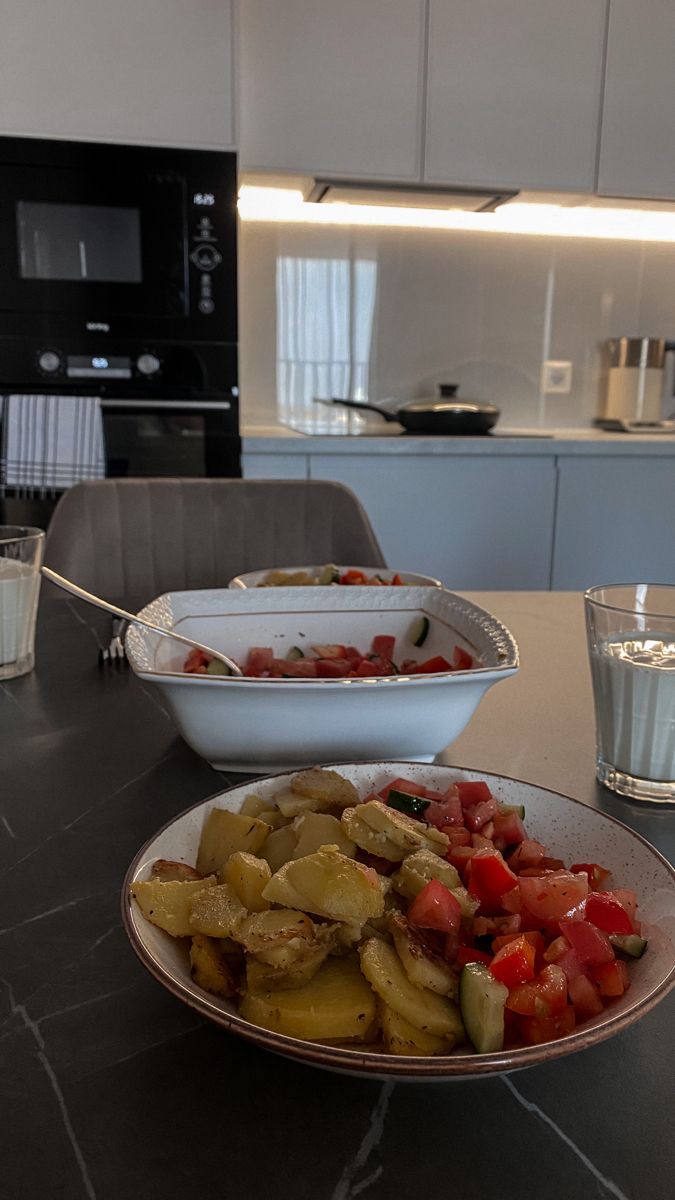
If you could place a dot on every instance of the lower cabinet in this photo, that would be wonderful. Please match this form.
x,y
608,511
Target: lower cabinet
x,y
474,522
615,521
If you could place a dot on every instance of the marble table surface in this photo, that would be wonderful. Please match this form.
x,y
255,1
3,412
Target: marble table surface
x,y
111,1088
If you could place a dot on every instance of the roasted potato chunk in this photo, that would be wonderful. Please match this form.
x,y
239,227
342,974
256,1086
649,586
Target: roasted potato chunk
x,y
421,965
209,968
278,937
218,912
420,868
279,846
316,790
390,834
400,1037
320,829
424,1009
262,977
253,805
224,833
330,885
167,870
335,1005
248,876
168,903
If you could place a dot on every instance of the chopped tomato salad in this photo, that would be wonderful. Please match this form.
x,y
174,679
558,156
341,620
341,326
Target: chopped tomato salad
x,y
332,661
559,939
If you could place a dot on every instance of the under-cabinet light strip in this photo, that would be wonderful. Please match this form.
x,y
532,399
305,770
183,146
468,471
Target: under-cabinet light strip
x,y
545,220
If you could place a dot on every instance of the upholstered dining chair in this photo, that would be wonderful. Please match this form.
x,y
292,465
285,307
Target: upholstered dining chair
x,y
137,538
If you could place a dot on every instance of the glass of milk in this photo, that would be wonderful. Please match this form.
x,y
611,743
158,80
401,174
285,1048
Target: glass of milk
x,y
631,643
21,550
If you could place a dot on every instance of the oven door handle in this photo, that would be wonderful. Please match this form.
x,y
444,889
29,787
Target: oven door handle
x,y
185,406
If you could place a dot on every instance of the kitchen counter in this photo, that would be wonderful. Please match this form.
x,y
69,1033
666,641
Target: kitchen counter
x,y
112,1088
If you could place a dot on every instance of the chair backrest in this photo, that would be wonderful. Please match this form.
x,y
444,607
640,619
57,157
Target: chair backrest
x,y
138,538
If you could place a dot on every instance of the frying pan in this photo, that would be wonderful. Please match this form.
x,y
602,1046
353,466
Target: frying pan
x,y
444,416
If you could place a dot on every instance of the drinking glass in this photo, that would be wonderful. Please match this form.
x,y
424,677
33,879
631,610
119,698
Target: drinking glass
x,y
631,644
21,550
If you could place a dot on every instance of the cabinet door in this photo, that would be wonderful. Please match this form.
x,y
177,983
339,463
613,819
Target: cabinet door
x,y
332,86
514,92
158,71
274,466
472,522
615,522
638,120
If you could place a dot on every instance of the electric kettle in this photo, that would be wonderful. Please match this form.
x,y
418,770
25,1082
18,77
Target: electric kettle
x,y
637,384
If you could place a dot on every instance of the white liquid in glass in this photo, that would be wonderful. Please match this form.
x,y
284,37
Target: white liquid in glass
x,y
19,585
634,688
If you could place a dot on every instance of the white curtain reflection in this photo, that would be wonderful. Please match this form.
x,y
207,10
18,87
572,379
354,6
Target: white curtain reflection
x,y
325,309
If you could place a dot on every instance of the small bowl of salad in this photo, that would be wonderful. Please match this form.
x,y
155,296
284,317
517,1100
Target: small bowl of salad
x,y
389,670
332,575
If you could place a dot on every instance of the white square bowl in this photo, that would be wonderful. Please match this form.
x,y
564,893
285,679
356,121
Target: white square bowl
x,y
246,724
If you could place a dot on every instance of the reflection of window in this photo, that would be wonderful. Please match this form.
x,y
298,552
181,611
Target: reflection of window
x,y
325,312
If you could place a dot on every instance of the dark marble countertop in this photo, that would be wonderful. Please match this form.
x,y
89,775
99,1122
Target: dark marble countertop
x,y
112,1088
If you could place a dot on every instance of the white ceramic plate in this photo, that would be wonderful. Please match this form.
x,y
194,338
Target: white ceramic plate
x,y
255,578
571,830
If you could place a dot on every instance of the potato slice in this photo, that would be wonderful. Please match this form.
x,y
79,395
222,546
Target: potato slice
x,y
320,829
226,832
218,912
390,834
168,870
274,818
400,1037
419,868
167,903
248,876
331,885
315,791
253,805
209,968
422,1008
278,937
335,1005
279,847
422,967
262,977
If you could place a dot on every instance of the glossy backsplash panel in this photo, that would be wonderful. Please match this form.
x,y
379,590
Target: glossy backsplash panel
x,y
382,313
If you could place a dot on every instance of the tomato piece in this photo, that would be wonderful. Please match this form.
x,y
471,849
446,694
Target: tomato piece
x,y
432,665
435,907
195,659
533,936
460,857
584,996
299,668
591,946
535,1030
383,646
396,581
367,668
446,811
330,650
259,659
353,577
556,949
514,962
472,792
353,654
628,900
528,854
461,659
332,668
490,876
596,874
401,785
543,996
478,815
552,897
457,835
605,911
509,828
611,978
467,954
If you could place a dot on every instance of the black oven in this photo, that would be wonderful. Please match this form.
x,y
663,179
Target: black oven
x,y
119,280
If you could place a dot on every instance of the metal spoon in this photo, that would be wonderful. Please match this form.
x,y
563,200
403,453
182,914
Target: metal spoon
x,y
75,590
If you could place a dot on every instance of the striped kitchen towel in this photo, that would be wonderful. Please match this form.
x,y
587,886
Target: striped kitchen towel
x,y
48,443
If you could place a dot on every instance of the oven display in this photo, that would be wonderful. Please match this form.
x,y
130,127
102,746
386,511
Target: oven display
x,y
81,366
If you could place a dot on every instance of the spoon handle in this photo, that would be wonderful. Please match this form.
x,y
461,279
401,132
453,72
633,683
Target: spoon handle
x,y
82,594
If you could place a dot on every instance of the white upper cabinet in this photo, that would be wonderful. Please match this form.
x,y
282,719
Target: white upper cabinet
x,y
332,87
145,71
638,125
514,91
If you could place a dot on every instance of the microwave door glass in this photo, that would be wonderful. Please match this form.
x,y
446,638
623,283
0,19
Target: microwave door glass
x,y
84,242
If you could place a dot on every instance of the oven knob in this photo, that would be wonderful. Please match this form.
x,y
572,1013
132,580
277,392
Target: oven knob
x,y
49,361
148,364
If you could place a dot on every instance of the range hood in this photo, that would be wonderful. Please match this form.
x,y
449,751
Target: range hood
x,y
405,195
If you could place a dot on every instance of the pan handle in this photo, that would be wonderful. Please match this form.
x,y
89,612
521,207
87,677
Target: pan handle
x,y
360,405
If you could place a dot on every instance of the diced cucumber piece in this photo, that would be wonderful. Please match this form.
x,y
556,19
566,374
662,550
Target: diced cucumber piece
x,y
216,667
413,806
481,1001
419,631
328,574
629,943
294,654
513,808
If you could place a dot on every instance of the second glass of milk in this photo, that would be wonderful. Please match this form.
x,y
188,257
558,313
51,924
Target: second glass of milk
x,y
631,640
20,561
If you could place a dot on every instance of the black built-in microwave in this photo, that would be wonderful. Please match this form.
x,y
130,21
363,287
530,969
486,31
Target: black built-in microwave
x,y
118,279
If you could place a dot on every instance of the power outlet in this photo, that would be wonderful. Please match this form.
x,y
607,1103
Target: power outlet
x,y
556,377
